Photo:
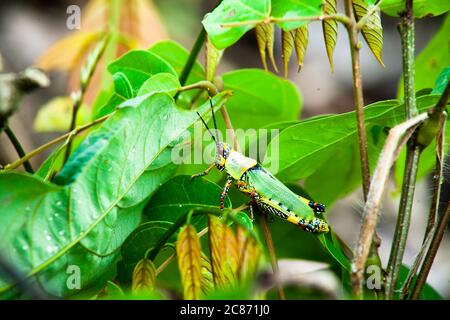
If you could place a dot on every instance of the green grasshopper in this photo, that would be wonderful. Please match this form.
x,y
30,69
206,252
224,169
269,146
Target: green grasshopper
x,y
268,193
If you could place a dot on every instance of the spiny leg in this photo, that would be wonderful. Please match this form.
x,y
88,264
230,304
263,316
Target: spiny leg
x,y
204,173
225,191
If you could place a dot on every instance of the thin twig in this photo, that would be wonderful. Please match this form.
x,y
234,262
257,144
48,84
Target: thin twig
x,y
437,177
396,139
273,257
417,263
19,149
431,254
49,144
358,97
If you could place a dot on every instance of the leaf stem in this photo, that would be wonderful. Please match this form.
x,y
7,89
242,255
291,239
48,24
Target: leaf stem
x,y
338,17
431,254
19,149
53,142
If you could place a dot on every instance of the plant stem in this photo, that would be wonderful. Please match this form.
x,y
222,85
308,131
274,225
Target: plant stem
x,y
358,96
273,257
193,56
437,177
19,149
49,144
396,139
406,29
76,106
431,254
403,220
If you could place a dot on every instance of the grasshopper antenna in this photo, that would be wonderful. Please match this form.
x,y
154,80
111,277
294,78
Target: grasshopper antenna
x,y
212,111
214,138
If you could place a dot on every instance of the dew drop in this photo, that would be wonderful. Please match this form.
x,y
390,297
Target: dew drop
x,y
58,203
24,247
28,208
49,249
75,190
61,233
165,117
50,219
133,150
48,238
180,205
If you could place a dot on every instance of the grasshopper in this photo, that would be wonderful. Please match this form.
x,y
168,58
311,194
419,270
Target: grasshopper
x,y
267,193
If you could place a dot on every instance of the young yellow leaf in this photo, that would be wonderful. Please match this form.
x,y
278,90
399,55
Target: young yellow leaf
x,y
372,30
330,29
213,56
144,276
67,52
301,43
287,45
224,252
249,254
261,39
55,115
189,262
270,39
207,276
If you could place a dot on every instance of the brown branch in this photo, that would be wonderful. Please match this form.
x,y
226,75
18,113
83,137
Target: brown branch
x,y
396,139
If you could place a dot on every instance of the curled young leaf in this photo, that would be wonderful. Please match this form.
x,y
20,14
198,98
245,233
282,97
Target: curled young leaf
x,y
249,254
189,262
224,252
372,31
287,44
330,29
261,38
207,280
213,56
144,276
301,43
93,58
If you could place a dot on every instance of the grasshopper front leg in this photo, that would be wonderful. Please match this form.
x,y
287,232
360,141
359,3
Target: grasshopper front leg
x,y
225,191
204,173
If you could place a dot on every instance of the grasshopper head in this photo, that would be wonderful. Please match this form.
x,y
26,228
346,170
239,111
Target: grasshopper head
x,y
223,150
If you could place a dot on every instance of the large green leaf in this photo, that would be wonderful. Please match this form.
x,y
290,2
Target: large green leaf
x,y
326,146
179,195
432,60
421,8
46,228
260,98
177,56
229,11
132,69
290,9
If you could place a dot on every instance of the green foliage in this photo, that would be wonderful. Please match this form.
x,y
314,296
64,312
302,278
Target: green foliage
x,y
421,8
